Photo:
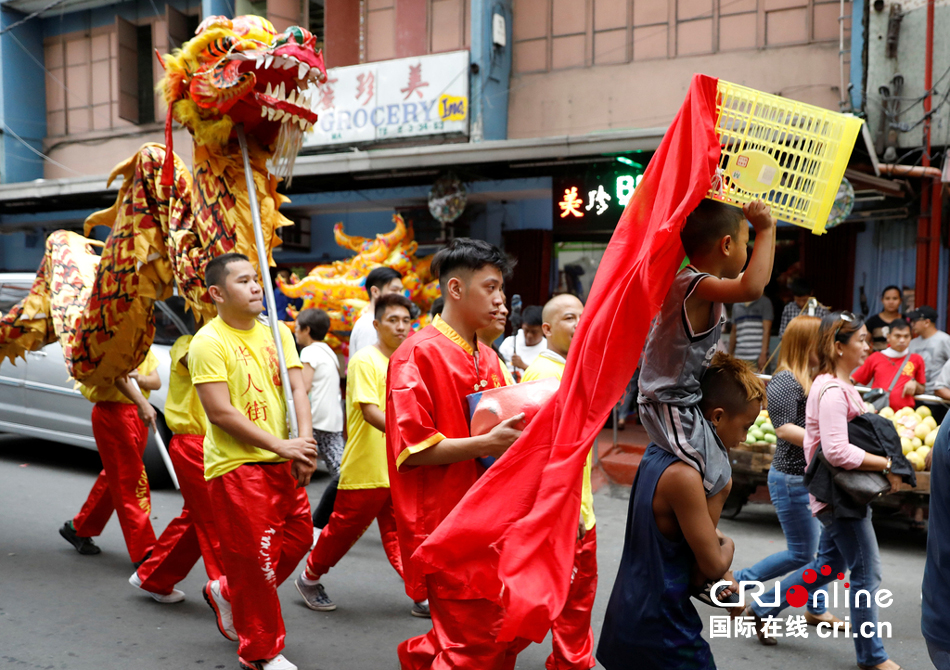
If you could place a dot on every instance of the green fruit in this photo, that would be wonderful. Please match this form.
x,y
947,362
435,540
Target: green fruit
x,y
767,428
770,438
760,420
757,434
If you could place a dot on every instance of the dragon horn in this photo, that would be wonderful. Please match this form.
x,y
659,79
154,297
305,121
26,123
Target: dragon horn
x,y
161,61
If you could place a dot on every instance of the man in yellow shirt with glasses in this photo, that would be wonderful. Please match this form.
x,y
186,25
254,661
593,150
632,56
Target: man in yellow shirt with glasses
x,y
363,493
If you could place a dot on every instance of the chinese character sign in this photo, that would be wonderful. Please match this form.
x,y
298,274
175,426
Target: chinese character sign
x,y
406,97
594,200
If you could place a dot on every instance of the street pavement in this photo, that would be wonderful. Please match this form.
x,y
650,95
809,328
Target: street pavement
x,y
62,610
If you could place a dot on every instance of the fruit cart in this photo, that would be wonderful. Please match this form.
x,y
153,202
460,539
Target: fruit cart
x,y
752,459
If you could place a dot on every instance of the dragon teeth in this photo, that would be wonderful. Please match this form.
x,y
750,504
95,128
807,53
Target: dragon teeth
x,y
267,61
302,70
290,63
302,123
279,115
292,98
263,112
270,113
269,92
281,92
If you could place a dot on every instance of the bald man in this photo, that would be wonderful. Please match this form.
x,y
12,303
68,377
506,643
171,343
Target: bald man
x,y
572,637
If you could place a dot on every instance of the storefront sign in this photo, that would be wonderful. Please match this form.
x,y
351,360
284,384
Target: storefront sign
x,y
593,200
393,99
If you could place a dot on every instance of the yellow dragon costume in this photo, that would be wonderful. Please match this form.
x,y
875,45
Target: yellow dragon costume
x,y
339,288
167,224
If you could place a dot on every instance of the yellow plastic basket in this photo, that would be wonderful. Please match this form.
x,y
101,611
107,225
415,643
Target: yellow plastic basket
x,y
786,153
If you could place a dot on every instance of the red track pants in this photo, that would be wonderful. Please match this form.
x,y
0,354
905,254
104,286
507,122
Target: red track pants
x,y
264,527
462,637
572,637
353,512
122,485
190,536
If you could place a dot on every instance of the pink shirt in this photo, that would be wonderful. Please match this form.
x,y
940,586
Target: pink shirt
x,y
826,423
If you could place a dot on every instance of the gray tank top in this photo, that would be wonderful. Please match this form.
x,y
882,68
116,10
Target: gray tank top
x,y
675,358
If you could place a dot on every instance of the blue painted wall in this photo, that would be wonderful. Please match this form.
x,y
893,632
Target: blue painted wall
x,y
22,252
105,16
217,8
886,253
858,38
489,88
22,99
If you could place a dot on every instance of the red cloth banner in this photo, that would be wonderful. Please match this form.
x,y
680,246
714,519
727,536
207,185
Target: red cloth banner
x,y
511,538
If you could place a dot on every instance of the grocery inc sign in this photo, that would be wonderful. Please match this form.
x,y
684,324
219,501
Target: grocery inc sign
x,y
392,99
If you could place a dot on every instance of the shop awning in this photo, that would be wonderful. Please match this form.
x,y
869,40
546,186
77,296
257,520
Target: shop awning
x,y
63,193
563,147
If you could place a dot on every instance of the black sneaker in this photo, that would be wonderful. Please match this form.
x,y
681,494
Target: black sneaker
x,y
84,545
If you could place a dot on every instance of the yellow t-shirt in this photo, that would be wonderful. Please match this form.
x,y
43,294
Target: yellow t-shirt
x,y
184,414
544,367
364,458
111,393
247,361
509,380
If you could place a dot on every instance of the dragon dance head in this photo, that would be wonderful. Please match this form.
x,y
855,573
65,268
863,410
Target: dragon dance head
x,y
242,71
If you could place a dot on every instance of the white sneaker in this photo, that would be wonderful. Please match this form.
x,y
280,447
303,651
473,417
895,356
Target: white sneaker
x,y
221,609
175,596
276,663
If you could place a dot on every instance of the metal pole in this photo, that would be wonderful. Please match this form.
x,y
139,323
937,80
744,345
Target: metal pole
x,y
265,282
162,449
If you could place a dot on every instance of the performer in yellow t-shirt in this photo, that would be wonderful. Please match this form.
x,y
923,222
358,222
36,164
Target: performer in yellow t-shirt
x,y
255,473
192,534
120,419
572,638
363,493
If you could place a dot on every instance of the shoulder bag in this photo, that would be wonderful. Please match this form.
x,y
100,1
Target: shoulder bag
x,y
879,398
862,486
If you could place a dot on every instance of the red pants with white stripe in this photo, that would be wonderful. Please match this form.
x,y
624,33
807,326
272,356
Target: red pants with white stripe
x,y
462,637
264,527
353,512
190,536
122,486
572,637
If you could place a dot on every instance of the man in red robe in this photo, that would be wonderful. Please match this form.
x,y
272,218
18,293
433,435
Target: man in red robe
x,y
433,458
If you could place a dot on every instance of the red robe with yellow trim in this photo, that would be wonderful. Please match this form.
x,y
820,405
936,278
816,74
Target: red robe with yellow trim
x,y
430,376
512,538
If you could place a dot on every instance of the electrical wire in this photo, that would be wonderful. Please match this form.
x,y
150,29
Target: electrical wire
x,y
19,23
39,153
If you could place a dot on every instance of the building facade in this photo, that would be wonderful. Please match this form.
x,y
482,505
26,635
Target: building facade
x,y
520,101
